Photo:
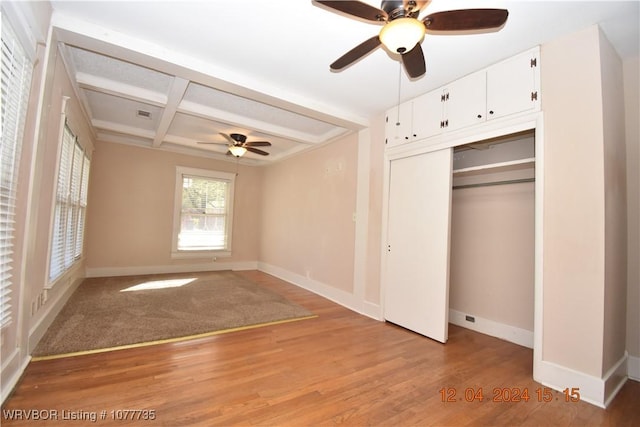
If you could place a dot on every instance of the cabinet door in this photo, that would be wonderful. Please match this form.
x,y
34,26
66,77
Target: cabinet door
x,y
398,125
427,115
416,286
510,85
466,101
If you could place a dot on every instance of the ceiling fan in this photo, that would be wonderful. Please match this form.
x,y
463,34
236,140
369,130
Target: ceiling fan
x,y
403,32
238,145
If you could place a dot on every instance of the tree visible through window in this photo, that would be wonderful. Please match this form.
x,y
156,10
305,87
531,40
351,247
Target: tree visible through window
x,y
206,200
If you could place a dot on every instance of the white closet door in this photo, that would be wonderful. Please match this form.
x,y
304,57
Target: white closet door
x,y
416,294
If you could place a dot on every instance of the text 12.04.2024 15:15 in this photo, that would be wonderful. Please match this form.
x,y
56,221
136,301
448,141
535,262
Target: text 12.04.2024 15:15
x,y
508,394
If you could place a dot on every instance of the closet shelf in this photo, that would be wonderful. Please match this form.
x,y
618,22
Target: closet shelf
x,y
499,167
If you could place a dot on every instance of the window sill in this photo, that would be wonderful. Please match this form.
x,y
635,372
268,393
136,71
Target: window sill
x,y
199,254
68,276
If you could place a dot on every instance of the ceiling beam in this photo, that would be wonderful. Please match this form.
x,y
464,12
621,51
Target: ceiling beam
x,y
176,93
122,90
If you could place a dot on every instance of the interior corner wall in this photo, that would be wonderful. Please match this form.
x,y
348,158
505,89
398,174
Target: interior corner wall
x,y
307,219
573,217
130,211
631,70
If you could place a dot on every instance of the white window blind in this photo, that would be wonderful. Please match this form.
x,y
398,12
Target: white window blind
x,y
15,83
204,210
82,207
71,202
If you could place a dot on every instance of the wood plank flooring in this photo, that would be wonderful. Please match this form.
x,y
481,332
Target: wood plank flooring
x,y
338,368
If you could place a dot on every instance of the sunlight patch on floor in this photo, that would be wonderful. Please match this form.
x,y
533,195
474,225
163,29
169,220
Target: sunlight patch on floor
x,y
159,284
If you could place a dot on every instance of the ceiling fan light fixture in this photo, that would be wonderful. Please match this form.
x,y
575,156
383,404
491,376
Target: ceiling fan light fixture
x,y
237,150
402,34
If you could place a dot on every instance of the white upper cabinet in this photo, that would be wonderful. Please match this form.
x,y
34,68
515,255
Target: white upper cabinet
x,y
427,115
506,88
418,119
465,101
512,85
398,124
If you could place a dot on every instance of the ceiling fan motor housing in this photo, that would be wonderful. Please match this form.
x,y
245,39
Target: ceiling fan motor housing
x,y
397,9
239,138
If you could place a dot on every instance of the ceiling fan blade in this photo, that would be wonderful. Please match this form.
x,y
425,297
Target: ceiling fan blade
x,y
257,144
357,9
257,151
356,53
414,62
228,138
212,143
466,19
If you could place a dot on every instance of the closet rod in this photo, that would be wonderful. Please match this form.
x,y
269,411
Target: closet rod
x,y
488,184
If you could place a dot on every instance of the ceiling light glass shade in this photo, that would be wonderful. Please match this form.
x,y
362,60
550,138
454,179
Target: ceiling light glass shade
x,y
237,150
402,34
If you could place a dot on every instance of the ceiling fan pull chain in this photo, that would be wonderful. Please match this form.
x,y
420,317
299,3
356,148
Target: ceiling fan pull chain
x,y
399,82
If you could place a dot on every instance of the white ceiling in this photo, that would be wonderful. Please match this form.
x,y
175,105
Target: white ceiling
x,y
261,68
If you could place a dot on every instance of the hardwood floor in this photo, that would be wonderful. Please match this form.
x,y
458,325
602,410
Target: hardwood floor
x,y
338,368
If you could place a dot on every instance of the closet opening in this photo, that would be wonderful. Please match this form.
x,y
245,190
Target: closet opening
x,y
492,249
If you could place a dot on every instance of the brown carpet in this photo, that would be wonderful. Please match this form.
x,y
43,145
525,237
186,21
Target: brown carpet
x,y
106,313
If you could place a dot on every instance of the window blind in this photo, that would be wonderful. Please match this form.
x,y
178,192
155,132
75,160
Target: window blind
x,y
82,207
71,201
15,85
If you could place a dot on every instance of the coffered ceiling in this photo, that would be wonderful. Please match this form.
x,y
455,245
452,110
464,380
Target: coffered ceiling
x,y
168,74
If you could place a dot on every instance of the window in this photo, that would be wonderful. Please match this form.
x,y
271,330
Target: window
x,y
15,83
203,212
71,203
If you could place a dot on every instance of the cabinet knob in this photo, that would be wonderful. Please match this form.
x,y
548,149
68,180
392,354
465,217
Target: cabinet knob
x,y
479,116
406,137
414,135
490,111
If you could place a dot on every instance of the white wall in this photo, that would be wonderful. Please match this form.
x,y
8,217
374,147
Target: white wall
x,y
631,68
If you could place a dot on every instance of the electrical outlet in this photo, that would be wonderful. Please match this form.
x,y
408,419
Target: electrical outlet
x,y
470,318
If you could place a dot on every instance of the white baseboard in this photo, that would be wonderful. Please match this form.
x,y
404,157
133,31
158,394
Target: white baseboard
x,y
594,390
338,296
38,330
15,363
615,378
164,269
495,329
372,310
633,368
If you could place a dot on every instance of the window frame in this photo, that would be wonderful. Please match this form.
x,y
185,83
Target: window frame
x,y
181,172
